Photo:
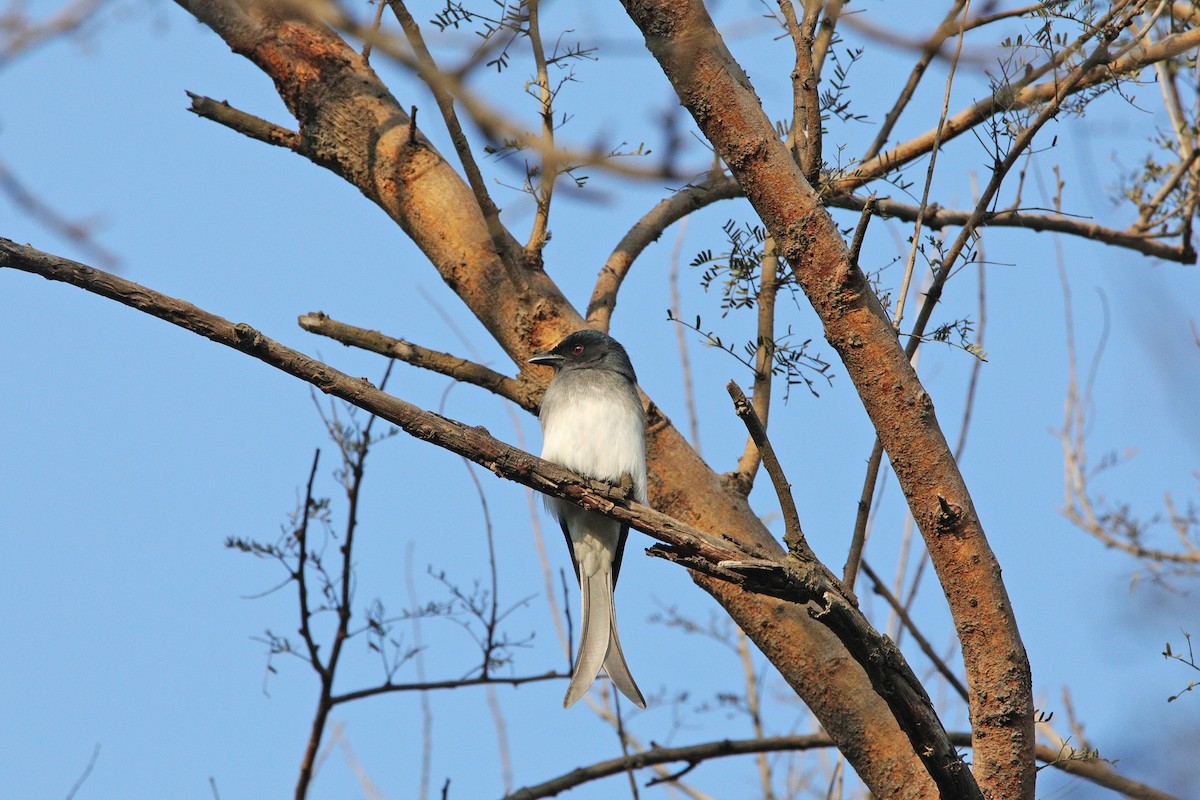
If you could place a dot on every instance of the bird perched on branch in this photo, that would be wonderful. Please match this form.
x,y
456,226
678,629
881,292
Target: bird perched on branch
x,y
593,424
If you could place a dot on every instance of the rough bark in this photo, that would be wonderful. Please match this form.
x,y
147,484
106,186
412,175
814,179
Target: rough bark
x,y
720,98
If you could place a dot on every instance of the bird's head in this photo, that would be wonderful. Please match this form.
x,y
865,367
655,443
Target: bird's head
x,y
588,349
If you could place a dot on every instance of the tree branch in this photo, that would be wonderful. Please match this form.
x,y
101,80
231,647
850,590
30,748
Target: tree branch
x,y
646,231
246,124
429,686
800,581
521,391
1027,97
937,218
793,534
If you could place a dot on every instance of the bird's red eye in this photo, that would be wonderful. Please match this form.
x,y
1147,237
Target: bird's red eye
x,y
577,350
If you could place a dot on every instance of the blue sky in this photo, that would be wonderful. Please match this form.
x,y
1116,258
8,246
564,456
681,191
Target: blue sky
x,y
130,450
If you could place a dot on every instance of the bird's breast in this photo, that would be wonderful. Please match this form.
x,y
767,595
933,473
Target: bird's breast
x,y
595,427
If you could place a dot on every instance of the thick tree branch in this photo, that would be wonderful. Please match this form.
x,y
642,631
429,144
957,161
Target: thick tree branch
x,y
521,391
713,87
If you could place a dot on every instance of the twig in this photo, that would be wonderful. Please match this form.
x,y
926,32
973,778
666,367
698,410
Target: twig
x,y
860,231
764,356
83,776
902,294
431,686
977,363
859,538
301,576
685,363
793,535
549,170
937,217
366,51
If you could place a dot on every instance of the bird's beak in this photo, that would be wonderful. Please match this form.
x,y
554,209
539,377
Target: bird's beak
x,y
549,359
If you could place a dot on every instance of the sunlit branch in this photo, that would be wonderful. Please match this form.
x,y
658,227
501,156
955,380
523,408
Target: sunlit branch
x,y
519,390
246,124
643,233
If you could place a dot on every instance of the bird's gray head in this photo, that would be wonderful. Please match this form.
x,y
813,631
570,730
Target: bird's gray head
x,y
588,349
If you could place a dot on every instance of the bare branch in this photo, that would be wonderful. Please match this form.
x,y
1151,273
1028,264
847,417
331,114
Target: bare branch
x,y
937,218
764,357
794,535
858,539
431,686
549,171
692,754
246,124
521,391
646,231
1140,56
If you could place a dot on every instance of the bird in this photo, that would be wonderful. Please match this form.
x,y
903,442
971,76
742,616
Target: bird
x,y
593,424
